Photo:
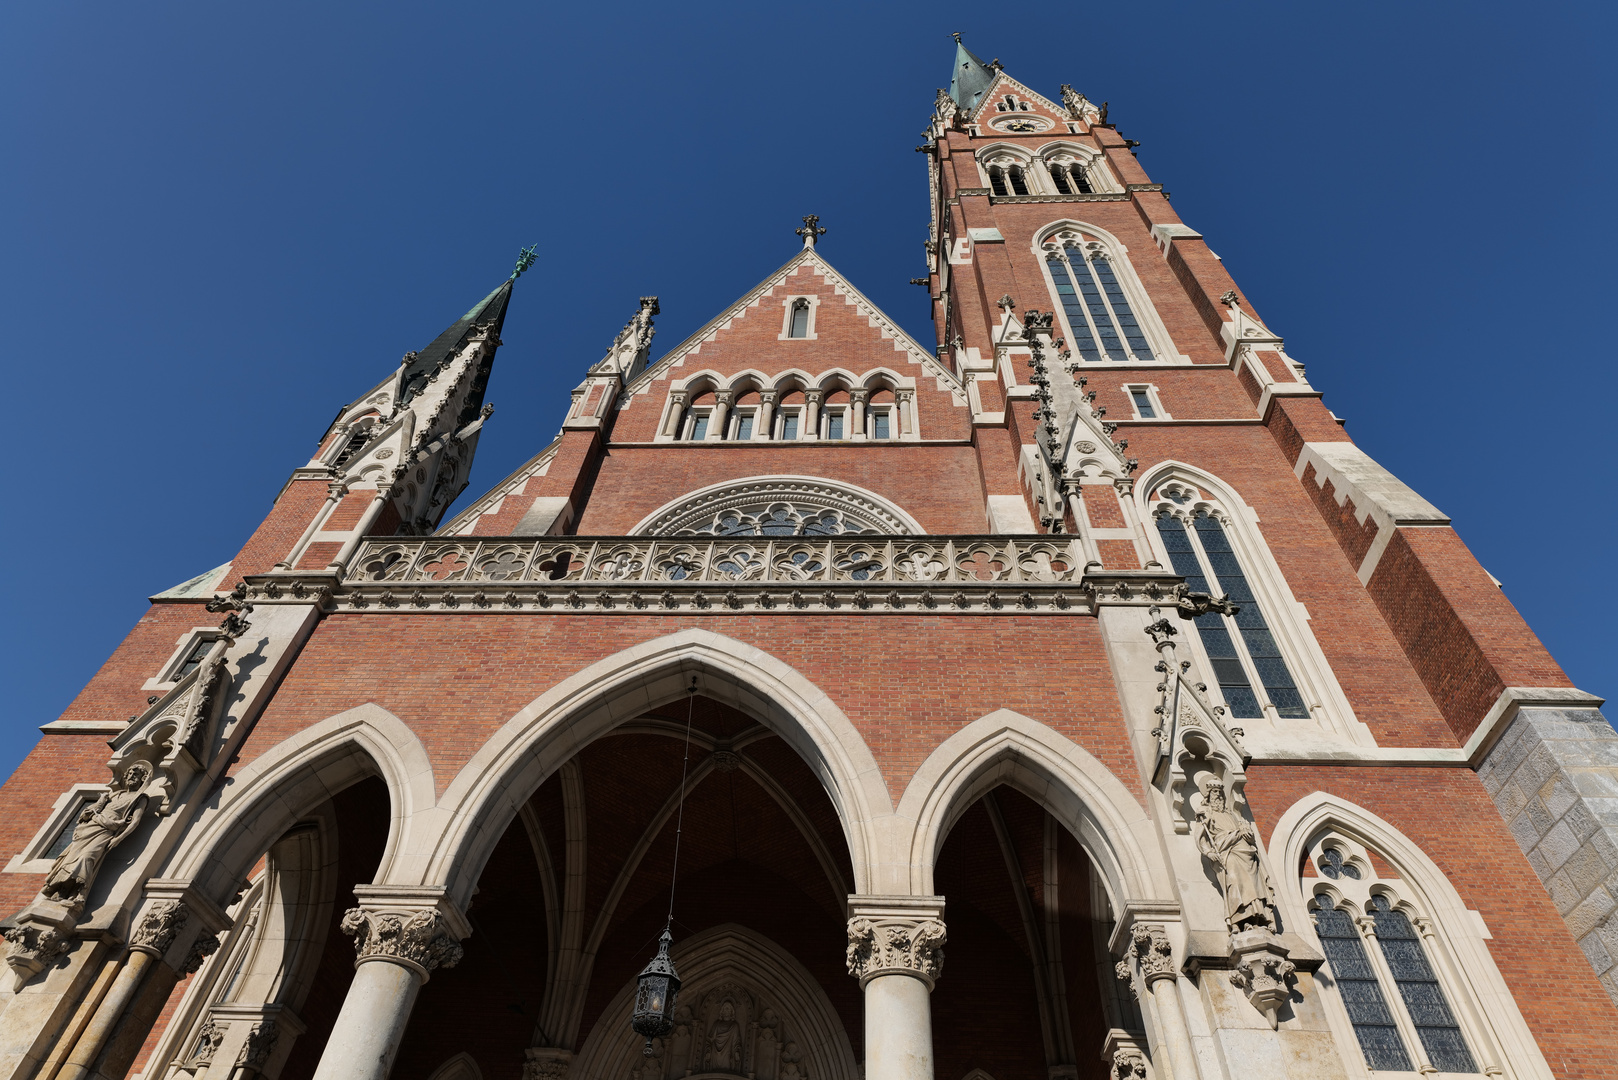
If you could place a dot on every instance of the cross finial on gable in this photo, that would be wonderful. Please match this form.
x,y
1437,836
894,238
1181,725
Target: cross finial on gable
x,y
1006,303
811,230
525,258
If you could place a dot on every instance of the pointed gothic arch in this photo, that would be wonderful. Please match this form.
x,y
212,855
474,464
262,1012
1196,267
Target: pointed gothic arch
x,y
484,797
1499,1036
256,806
1005,747
1055,241
1328,705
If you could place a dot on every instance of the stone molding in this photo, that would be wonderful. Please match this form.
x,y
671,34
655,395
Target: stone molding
x,y
546,1063
158,926
896,936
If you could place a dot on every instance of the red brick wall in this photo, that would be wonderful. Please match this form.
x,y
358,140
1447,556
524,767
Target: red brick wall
x,y
1451,818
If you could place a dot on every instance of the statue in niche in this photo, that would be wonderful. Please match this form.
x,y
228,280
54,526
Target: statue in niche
x,y
101,826
1229,842
679,1058
767,1053
789,1063
724,1047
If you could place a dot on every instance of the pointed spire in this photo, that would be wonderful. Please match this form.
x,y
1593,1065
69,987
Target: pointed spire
x,y
971,77
489,312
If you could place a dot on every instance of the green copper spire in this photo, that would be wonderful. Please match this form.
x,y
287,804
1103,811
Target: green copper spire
x,y
970,79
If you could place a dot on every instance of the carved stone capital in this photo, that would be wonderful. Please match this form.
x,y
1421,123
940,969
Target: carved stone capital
x,y
769,397
814,397
211,1034
260,1044
724,397
859,397
896,945
157,928
205,946
1261,970
418,939
546,1063
1153,952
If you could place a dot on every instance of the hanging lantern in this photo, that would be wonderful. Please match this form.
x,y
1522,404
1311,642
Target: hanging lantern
x,y
655,991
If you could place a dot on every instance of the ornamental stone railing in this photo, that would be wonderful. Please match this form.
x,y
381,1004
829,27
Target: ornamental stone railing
x,y
1043,574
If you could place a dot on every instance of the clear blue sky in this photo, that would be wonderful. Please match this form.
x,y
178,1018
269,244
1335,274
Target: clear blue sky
x,y
223,221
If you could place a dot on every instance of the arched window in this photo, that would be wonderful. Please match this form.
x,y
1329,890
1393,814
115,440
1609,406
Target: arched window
x,y
1070,178
1383,972
1019,181
798,327
997,180
1241,648
355,443
779,506
1099,314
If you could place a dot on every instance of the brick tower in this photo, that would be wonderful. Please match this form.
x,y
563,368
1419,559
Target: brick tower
x,y
1082,646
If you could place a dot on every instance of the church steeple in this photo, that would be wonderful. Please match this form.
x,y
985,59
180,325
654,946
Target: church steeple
x,y
971,77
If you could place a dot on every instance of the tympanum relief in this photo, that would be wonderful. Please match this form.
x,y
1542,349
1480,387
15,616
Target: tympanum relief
x,y
726,1031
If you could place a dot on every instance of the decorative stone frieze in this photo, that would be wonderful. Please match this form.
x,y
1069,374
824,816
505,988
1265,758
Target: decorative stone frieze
x,y
417,939
546,1063
157,928
896,945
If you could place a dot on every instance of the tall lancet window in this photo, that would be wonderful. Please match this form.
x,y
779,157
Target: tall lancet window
x,y
1357,985
1098,312
1203,556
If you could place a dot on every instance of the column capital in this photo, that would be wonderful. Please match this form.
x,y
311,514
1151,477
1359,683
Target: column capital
x,y
1153,952
724,397
859,396
899,935
413,927
769,397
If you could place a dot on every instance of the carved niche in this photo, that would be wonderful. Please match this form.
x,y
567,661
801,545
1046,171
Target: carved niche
x,y
726,1031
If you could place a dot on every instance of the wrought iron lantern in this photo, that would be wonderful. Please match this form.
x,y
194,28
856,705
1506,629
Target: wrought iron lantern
x,y
655,991
658,984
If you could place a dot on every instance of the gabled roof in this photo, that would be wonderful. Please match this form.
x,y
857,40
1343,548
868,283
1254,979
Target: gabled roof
x,y
1003,83
944,378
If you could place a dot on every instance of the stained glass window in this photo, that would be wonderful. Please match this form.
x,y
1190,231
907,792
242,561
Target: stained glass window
x,y
1143,404
1357,985
1103,322
699,426
880,425
834,425
1424,999
789,426
744,425
1253,634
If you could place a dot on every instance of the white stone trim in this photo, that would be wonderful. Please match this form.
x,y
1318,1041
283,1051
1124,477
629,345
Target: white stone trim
x,y
1288,620
1377,495
790,302
785,486
1482,1002
515,484
166,677
1152,398
1145,310
484,797
31,859
257,805
1008,748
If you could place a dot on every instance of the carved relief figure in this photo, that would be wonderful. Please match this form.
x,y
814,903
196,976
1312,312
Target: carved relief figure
x,y
724,1050
1229,842
100,828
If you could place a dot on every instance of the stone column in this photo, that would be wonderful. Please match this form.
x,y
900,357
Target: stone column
x,y
722,400
858,398
906,400
401,936
766,414
153,936
339,562
896,951
334,495
1373,951
678,399
1154,958
811,413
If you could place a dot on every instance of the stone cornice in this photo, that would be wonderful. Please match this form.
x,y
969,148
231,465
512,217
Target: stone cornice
x,y
983,575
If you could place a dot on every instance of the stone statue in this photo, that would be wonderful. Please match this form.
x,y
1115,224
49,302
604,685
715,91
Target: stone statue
x,y
1229,842
101,827
724,1051
789,1063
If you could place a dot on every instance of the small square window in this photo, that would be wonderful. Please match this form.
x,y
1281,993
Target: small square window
x,y
1143,404
744,425
881,425
194,658
789,426
834,425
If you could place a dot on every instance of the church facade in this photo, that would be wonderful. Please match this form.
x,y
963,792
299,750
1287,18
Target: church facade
x,y
1067,697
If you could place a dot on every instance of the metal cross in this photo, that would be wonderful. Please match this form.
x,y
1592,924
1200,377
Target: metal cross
x,y
526,258
811,230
